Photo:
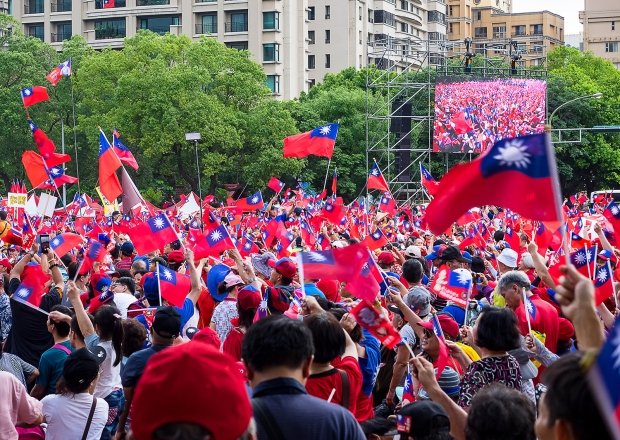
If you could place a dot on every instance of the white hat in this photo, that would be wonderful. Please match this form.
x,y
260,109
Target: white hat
x,y
413,251
508,257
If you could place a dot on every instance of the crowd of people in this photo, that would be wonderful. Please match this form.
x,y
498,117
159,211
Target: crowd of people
x,y
470,116
255,351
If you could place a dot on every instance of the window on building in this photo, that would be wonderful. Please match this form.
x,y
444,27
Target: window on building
x,y
480,32
271,20
328,36
311,62
62,31
478,15
311,83
110,28
450,11
117,4
613,25
36,30
311,37
436,17
238,22
271,52
61,6
499,31
311,13
328,61
537,29
33,7
371,16
328,12
361,13
403,5
403,27
159,24
273,82
239,45
208,24
518,30
151,2
611,46
360,37
450,28
384,17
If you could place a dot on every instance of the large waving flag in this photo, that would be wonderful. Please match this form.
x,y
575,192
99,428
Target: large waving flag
x,y
57,174
250,203
34,95
122,151
63,69
46,146
612,213
376,179
35,168
95,253
319,142
275,184
427,180
453,285
519,174
375,240
212,243
63,243
153,234
174,286
341,264
109,162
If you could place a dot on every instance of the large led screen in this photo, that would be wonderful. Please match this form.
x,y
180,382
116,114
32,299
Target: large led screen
x,y
470,116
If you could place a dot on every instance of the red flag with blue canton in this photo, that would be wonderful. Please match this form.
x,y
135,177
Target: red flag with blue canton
x,y
318,142
153,234
250,203
375,240
63,69
512,238
604,377
580,259
35,168
212,243
375,321
46,146
174,286
376,179
408,392
603,283
108,164
427,180
366,285
108,4
518,174
248,246
275,184
122,151
342,264
63,243
387,204
31,289
34,95
95,253
612,213
58,178
453,285
334,183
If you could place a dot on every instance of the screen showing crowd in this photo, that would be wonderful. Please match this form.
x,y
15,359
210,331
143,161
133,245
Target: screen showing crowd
x,y
470,116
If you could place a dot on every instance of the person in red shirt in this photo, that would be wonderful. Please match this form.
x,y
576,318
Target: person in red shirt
x,y
248,300
335,374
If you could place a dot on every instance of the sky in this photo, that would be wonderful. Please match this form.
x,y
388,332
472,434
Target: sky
x,y
569,9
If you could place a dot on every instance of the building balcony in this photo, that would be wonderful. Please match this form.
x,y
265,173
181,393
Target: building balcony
x,y
409,15
206,28
59,38
109,33
61,6
236,26
152,2
33,8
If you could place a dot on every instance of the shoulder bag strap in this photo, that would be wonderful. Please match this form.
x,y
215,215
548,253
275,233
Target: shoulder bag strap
x,y
266,420
90,418
62,348
345,388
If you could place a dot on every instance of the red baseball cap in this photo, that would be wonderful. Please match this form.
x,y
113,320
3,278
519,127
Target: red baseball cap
x,y
386,257
284,266
248,298
446,322
5,262
208,336
214,396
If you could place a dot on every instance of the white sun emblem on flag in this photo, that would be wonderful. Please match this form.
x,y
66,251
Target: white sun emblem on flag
x,y
384,200
374,172
167,275
316,257
464,277
530,307
159,222
615,210
254,200
55,242
22,293
376,235
27,92
216,235
513,153
602,276
325,130
55,171
580,258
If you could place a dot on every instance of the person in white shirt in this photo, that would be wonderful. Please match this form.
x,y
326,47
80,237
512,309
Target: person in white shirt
x,y
124,289
75,413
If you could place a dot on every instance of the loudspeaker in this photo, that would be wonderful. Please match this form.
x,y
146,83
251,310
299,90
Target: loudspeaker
x,y
400,127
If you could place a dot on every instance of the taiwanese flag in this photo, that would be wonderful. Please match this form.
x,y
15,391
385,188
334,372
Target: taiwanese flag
x,y
444,353
58,178
366,285
342,264
46,146
461,124
122,151
543,237
577,241
31,289
319,142
334,183
108,4
153,234
323,242
603,283
374,319
34,95
63,243
375,240
213,243
604,377
376,179
408,391
453,285
14,236
512,238
174,286
35,168
334,211
517,174
307,235
275,184
427,180
387,204
612,213
28,233
63,69
584,261
248,246
250,203
95,253
108,164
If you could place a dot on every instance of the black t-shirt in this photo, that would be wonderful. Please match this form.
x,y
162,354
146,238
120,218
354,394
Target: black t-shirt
x,y
29,337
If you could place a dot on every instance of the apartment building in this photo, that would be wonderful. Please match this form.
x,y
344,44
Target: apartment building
x,y
273,31
355,33
500,32
601,29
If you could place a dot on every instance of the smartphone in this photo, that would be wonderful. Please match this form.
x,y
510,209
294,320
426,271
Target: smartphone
x,y
44,241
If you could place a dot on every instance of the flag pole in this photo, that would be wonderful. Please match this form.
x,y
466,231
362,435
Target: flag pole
x,y
158,283
527,312
77,167
300,269
327,173
557,194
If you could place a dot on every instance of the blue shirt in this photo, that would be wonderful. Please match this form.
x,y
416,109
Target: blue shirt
x,y
136,363
50,367
312,290
303,417
369,364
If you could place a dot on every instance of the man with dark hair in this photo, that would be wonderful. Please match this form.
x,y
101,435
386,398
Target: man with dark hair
x,y
53,359
423,420
281,294
413,272
165,329
127,251
278,352
124,289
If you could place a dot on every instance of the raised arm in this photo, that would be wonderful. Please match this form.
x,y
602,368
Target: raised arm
x,y
194,277
19,267
539,265
84,322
